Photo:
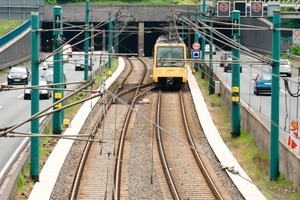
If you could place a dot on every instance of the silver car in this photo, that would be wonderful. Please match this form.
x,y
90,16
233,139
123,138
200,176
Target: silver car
x,y
48,76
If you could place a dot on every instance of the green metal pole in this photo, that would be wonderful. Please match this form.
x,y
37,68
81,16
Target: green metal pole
x,y
116,37
211,87
274,140
182,30
196,65
203,42
86,42
57,67
35,42
109,38
235,77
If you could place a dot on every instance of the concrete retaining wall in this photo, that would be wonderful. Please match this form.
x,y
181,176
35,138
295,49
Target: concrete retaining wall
x,y
289,161
16,51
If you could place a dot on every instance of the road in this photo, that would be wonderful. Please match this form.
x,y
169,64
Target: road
x,y
261,104
14,109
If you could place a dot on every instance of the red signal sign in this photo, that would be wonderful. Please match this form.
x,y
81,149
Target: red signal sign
x,y
257,9
196,46
223,9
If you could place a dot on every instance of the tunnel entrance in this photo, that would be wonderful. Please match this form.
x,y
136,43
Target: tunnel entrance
x,y
127,38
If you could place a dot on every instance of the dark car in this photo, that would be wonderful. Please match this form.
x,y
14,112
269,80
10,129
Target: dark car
x,y
226,62
18,75
263,83
44,92
48,76
79,65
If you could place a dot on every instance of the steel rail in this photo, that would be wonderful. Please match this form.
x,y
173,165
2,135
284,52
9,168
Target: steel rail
x,y
80,168
119,162
162,155
210,182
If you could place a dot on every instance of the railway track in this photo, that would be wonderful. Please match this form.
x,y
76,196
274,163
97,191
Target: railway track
x,y
126,164
99,173
184,169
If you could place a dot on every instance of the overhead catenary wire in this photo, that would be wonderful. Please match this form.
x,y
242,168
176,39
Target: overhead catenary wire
x,y
10,128
232,44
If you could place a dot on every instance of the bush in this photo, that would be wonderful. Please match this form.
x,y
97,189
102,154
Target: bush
x,y
50,2
295,49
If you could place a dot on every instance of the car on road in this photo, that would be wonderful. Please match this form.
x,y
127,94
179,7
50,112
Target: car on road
x,y
48,63
207,48
285,67
48,76
18,75
226,62
262,83
45,92
79,65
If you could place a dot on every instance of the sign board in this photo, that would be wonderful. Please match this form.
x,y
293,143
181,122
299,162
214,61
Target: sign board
x,y
296,36
223,9
292,138
242,7
256,9
195,54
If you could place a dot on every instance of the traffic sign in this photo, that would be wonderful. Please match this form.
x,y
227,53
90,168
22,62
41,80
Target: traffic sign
x,y
196,46
195,54
296,36
256,9
223,9
242,7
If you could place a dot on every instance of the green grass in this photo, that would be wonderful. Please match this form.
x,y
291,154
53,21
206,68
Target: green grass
x,y
146,2
251,158
24,181
8,25
137,2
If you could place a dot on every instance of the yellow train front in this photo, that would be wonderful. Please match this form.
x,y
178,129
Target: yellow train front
x,y
169,66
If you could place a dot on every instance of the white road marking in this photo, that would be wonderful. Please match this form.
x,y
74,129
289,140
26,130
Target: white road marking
x,y
20,96
281,90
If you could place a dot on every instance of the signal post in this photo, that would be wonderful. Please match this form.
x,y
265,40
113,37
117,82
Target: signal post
x,y
235,78
57,68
